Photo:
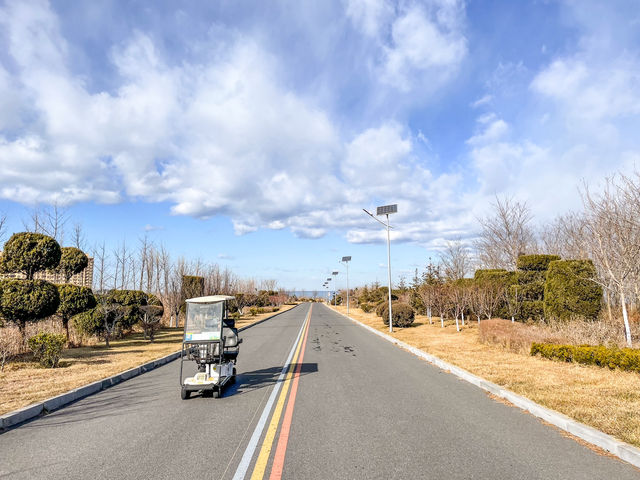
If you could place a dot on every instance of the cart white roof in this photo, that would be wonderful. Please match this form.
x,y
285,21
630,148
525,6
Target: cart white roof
x,y
210,299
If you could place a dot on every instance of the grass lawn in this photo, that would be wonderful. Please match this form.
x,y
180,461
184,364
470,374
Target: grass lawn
x,y
608,400
24,382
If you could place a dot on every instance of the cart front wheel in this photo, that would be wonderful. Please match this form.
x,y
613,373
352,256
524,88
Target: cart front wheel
x,y
216,393
184,394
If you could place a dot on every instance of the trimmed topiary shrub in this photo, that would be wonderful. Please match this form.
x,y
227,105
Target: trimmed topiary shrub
x,y
402,314
610,357
382,308
29,253
536,263
130,301
72,261
484,272
570,290
89,323
46,348
532,309
73,300
192,286
23,301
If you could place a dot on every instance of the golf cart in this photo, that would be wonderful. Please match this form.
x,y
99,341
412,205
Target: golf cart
x,y
211,341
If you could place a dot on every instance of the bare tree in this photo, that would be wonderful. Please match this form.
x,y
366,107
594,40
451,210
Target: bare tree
x,y
49,220
612,220
505,235
78,239
455,260
567,237
3,226
100,266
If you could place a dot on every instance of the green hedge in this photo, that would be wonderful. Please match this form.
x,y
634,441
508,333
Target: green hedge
x,y
611,357
532,309
536,263
484,272
570,291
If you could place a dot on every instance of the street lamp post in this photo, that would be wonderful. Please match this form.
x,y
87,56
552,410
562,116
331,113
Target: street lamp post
x,y
346,261
328,291
335,296
387,210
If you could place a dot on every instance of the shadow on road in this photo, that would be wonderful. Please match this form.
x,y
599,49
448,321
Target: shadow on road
x,y
257,379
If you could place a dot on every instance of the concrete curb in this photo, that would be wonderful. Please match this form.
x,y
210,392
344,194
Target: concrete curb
x,y
11,419
620,449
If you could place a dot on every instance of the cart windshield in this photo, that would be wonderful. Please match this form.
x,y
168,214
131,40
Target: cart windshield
x,y
204,321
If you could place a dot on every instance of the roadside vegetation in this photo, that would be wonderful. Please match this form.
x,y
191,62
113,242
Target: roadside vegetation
x,y
550,313
57,336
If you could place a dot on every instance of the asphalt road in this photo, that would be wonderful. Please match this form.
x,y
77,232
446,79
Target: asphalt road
x,y
363,409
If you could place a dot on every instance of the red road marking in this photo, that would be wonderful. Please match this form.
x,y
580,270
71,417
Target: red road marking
x,y
283,439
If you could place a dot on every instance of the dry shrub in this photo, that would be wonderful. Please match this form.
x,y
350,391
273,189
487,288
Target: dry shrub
x,y
10,345
600,332
516,336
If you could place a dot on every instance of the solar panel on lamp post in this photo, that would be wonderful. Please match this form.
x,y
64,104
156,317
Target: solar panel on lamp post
x,y
387,210
346,261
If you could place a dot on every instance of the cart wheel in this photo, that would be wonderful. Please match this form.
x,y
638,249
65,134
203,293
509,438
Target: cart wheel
x,y
207,393
184,394
216,393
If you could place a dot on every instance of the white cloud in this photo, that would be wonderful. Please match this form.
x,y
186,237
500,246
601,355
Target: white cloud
x,y
369,15
425,41
220,136
495,130
591,91
415,41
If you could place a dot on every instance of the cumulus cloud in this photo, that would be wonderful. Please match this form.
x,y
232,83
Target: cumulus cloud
x,y
219,136
415,40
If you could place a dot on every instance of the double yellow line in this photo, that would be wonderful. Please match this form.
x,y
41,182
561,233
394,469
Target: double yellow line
x,y
267,444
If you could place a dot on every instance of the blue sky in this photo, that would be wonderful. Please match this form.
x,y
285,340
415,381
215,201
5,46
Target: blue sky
x,y
252,134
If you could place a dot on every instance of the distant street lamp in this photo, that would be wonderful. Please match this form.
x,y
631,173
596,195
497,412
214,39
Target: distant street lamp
x,y
346,261
386,210
335,296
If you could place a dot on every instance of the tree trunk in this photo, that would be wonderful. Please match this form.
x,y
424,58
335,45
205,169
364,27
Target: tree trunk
x,y
625,317
441,321
463,319
478,319
106,339
65,324
512,319
457,324
609,312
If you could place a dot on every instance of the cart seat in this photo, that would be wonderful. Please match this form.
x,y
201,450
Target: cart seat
x,y
231,337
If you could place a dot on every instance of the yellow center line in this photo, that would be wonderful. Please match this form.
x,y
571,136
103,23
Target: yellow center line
x,y
267,444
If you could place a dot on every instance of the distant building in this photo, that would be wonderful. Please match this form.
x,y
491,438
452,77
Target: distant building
x,y
82,279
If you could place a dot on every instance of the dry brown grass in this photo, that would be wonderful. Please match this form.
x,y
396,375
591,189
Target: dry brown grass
x,y
24,382
607,400
516,336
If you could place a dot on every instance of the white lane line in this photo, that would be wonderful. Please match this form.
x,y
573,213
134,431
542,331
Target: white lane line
x,y
257,433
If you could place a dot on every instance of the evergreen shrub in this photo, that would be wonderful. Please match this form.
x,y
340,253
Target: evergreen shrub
x,y
537,263
402,314
46,348
570,290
